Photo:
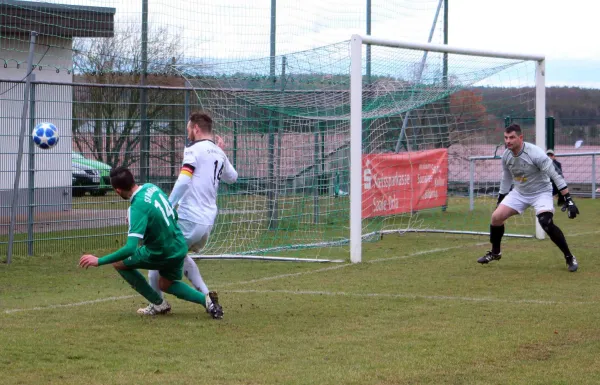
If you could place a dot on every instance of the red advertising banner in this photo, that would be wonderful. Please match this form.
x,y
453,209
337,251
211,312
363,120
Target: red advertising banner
x,y
401,183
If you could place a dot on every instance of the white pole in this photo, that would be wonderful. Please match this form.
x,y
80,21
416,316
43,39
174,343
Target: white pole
x,y
355,149
431,47
540,120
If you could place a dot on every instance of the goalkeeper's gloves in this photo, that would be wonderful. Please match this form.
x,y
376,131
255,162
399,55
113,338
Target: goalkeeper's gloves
x,y
500,198
569,206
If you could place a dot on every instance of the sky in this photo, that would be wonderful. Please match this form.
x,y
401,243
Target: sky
x,y
563,31
232,29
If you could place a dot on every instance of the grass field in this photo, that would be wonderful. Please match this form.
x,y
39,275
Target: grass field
x,y
419,310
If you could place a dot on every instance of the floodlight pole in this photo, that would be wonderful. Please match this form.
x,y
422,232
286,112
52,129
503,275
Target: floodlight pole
x,y
15,196
144,128
272,39
419,75
368,63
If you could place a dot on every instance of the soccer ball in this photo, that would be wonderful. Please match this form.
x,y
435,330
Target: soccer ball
x,y
45,135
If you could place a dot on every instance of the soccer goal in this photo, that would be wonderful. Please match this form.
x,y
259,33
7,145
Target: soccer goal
x,y
338,145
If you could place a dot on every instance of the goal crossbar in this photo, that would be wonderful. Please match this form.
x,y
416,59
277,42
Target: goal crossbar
x,y
356,110
432,47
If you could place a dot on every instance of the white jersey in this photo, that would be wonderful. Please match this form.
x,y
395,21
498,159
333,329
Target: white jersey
x,y
530,171
208,165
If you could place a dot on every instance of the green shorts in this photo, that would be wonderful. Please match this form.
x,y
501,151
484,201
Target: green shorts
x,y
171,268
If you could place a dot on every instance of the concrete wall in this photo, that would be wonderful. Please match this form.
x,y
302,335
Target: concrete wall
x,y
53,104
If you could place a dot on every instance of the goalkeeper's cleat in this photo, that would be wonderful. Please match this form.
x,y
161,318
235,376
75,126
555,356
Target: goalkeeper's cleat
x,y
213,306
489,257
153,309
572,263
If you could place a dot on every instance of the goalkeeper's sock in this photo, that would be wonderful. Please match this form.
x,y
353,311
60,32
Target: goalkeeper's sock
x,y
139,284
496,233
557,236
190,269
183,291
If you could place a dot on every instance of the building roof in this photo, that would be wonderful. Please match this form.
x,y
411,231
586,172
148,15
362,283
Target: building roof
x,y
20,17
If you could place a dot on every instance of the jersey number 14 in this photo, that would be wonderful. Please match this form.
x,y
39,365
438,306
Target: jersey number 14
x,y
217,176
165,209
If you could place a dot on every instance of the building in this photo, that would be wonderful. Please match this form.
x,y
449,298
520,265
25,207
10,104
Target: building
x,y
51,96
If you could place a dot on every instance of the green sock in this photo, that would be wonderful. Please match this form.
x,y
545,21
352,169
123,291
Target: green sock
x,y
139,284
186,292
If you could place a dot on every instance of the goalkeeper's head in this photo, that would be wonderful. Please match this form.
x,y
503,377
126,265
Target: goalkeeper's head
x,y
513,137
199,126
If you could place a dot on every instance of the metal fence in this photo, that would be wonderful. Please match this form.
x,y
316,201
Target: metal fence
x,y
65,193
579,171
66,190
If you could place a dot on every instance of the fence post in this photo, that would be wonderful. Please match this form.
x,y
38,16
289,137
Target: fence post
x,y
15,197
550,132
31,173
593,176
235,144
471,184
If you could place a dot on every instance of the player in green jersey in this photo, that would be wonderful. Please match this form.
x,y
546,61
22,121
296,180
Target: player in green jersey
x,y
152,220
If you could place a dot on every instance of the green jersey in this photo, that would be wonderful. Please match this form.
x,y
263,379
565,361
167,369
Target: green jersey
x,y
152,219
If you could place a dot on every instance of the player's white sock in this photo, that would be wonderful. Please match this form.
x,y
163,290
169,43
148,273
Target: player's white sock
x,y
190,269
153,278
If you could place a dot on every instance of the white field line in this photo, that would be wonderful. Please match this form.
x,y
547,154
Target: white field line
x,y
580,234
410,296
281,276
75,304
109,299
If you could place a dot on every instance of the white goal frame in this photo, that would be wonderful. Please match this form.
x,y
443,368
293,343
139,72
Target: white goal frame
x,y
356,43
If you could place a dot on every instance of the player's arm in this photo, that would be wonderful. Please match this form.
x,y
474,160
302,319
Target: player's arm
x,y
182,184
121,254
505,182
138,221
547,166
229,175
185,177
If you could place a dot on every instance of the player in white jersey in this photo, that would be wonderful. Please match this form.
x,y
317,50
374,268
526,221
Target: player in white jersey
x,y
528,168
204,166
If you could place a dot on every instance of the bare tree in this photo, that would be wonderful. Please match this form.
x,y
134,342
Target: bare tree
x,y
106,119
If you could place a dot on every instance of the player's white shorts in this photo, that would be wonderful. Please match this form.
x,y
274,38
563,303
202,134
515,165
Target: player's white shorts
x,y
195,235
540,202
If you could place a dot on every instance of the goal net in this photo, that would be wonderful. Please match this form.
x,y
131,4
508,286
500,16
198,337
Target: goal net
x,y
338,145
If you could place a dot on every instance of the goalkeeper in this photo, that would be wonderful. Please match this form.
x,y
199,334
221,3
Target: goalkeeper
x,y
530,170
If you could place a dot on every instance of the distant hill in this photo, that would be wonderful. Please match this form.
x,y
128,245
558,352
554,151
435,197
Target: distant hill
x,y
571,106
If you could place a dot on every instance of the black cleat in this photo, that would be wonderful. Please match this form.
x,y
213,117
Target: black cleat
x,y
572,263
489,257
214,308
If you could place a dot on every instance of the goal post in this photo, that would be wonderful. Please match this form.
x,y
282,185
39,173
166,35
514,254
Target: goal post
x,y
356,116
330,158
